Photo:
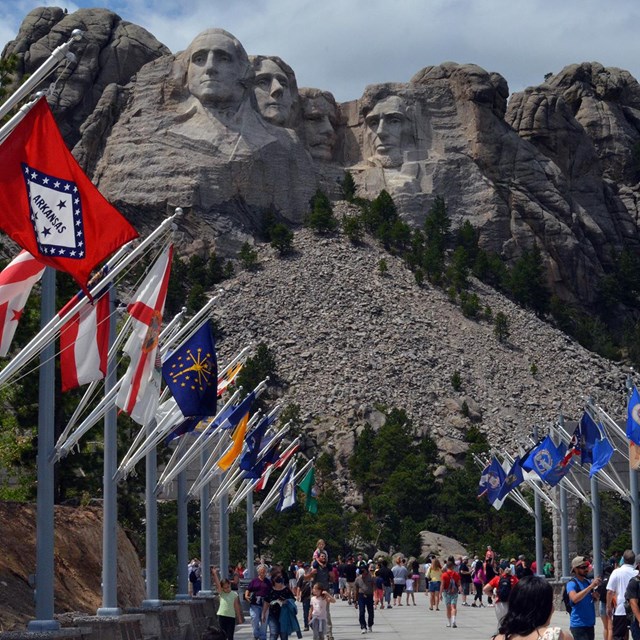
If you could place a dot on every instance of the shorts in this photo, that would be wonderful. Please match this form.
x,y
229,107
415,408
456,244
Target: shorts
x,y
450,598
466,586
603,609
397,590
342,583
434,586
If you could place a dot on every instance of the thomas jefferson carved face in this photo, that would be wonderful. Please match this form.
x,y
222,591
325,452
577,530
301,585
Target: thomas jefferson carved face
x,y
273,93
390,130
318,118
217,67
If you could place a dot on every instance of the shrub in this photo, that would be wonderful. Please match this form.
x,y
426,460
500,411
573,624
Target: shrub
x,y
456,381
501,327
248,257
281,238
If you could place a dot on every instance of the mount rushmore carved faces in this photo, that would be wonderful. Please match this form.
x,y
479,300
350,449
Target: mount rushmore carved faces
x,y
390,132
319,119
275,89
218,70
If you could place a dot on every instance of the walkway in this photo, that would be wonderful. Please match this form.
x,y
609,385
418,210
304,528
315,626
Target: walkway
x,y
414,623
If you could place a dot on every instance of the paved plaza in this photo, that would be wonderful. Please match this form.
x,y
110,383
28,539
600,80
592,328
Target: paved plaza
x,y
413,623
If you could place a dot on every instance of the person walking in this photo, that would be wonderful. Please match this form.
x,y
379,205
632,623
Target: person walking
x,y
272,606
400,573
632,596
434,577
387,581
320,574
303,595
500,587
449,590
410,588
365,586
320,601
616,588
583,594
229,609
351,573
530,611
465,580
255,594
478,579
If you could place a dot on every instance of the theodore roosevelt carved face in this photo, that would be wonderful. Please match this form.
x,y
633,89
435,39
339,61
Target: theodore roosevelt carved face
x,y
319,118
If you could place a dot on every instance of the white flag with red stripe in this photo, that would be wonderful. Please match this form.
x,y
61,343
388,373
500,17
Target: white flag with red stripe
x,y
140,389
84,343
16,282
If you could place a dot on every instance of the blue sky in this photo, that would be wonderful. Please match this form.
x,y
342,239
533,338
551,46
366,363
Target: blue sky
x,y
343,45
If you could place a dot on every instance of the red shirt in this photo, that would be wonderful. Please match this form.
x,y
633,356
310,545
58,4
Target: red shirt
x,y
493,583
447,576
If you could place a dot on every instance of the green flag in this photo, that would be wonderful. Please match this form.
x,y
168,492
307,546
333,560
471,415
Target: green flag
x,y
308,485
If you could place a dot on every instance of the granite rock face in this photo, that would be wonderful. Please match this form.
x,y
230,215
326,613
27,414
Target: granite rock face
x,y
112,50
556,165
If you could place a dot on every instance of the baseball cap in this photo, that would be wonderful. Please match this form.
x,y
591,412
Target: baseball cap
x,y
577,562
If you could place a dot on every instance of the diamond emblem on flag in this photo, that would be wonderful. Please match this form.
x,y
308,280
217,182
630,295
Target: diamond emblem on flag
x,y
56,214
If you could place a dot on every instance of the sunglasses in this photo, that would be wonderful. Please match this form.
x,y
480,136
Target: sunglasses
x,y
584,567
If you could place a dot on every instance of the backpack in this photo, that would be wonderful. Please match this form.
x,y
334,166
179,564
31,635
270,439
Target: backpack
x,y
504,588
192,575
631,592
568,605
452,589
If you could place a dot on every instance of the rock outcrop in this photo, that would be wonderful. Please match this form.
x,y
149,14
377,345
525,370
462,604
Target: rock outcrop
x,y
348,339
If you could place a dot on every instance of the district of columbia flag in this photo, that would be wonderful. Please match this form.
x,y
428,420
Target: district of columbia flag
x,y
16,282
49,206
84,343
287,490
140,389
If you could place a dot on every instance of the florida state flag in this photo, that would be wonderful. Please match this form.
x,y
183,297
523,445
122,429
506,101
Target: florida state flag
x,y
49,206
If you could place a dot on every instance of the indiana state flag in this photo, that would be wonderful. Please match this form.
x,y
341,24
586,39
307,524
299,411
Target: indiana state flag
x,y
191,373
633,417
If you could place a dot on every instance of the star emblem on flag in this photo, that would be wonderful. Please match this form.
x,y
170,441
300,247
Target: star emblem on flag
x,y
56,216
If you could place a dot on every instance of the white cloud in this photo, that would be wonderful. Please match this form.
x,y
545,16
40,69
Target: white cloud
x,y
343,45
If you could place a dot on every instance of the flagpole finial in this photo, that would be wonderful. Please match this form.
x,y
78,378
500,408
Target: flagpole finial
x,y
77,34
178,212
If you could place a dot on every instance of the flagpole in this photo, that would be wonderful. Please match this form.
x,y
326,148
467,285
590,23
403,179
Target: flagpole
x,y
633,491
224,534
564,520
183,537
538,522
110,490
205,534
595,527
151,524
251,565
44,593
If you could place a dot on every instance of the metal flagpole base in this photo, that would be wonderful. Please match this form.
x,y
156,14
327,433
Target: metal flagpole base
x,y
183,596
109,612
151,604
205,593
43,625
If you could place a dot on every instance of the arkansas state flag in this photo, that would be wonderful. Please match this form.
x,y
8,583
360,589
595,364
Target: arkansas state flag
x,y
49,206
84,343
140,389
16,282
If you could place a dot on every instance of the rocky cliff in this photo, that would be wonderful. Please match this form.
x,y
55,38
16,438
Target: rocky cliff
x,y
556,164
348,339
78,563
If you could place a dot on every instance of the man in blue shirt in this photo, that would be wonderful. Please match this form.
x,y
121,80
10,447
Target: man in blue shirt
x,y
582,593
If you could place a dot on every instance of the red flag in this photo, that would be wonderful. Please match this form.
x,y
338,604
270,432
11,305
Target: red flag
x,y
84,343
140,389
16,282
49,206
262,483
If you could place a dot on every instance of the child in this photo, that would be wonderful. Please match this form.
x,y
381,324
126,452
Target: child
x,y
409,589
378,594
318,613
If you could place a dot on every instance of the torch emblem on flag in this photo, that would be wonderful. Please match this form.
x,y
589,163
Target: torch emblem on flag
x,y
152,336
56,214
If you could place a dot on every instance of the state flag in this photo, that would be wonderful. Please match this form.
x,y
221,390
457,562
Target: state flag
x,y
84,342
191,373
16,281
140,389
633,417
287,490
308,486
49,206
